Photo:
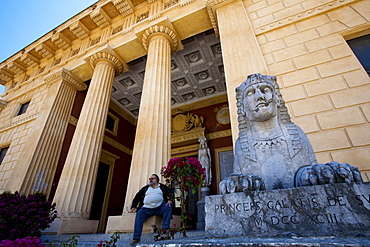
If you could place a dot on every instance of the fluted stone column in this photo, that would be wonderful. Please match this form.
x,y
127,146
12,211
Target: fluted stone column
x,y
75,190
241,52
37,165
152,147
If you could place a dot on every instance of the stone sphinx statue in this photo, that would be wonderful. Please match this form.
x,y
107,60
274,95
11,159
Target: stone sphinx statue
x,y
271,151
269,145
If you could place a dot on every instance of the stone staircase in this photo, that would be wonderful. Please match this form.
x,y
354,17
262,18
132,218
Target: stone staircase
x,y
198,239
125,238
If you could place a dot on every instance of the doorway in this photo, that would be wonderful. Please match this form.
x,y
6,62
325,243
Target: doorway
x,y
102,189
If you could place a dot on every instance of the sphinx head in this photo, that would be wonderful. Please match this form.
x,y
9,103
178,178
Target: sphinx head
x,y
260,97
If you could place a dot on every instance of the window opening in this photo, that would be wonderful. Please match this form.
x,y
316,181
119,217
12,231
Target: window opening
x,y
23,108
3,153
361,47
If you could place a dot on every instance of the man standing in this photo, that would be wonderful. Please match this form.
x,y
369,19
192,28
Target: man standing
x,y
152,199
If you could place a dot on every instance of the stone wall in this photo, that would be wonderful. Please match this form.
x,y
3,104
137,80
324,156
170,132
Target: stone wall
x,y
325,87
14,130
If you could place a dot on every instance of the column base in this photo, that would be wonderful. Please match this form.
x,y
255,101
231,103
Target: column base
x,y
201,224
125,223
71,226
204,191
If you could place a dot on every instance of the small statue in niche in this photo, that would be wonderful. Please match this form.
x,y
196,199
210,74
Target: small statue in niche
x,y
204,157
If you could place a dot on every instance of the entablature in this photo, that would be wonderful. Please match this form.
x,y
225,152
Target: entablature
x,y
103,23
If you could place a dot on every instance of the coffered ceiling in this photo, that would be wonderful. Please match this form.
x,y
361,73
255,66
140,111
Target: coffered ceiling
x,y
197,74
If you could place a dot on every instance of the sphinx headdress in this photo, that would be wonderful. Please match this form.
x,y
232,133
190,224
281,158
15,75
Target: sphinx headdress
x,y
294,144
257,78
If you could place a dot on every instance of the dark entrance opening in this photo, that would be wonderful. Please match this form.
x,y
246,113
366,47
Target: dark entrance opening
x,y
99,193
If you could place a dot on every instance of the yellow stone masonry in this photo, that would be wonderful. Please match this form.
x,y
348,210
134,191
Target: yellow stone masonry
x,y
14,130
302,42
325,87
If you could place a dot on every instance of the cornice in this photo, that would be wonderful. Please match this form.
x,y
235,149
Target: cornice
x,y
114,106
185,149
100,18
16,68
45,51
185,2
108,156
30,60
162,30
213,5
80,30
19,122
219,134
201,104
67,76
186,136
72,120
117,145
61,41
6,75
125,7
299,16
73,38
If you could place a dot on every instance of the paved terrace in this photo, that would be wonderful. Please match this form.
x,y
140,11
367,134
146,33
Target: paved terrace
x,y
197,238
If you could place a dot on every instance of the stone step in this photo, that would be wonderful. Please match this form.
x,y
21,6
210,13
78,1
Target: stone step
x,y
198,239
125,238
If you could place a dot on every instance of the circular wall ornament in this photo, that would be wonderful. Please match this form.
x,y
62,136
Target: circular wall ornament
x,y
223,115
180,123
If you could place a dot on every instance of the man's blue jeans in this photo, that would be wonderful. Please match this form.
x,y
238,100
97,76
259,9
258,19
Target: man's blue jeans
x,y
145,213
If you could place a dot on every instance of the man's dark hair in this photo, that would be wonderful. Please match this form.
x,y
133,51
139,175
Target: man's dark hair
x,y
156,176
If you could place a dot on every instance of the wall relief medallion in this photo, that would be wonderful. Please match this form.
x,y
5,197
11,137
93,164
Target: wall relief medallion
x,y
223,115
185,122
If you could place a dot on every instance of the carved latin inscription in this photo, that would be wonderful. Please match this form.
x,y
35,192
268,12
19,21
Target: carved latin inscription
x,y
335,209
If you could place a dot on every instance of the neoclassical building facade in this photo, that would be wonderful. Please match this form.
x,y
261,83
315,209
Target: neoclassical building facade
x,y
96,105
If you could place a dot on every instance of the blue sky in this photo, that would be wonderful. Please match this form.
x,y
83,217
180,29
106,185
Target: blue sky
x,y
24,21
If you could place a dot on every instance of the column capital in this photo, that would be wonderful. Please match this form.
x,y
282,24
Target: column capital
x,y
212,6
160,30
105,56
68,76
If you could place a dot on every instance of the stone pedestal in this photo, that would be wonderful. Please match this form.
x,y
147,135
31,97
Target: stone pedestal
x,y
70,226
125,223
204,191
323,210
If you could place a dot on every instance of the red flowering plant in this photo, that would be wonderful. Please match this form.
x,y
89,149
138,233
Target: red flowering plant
x,y
22,216
26,242
186,175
